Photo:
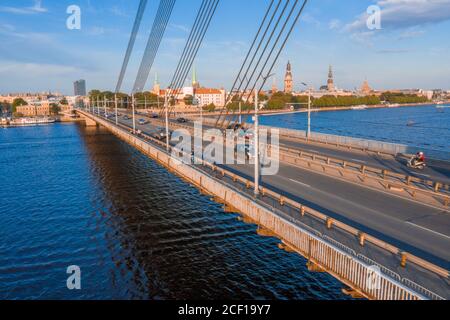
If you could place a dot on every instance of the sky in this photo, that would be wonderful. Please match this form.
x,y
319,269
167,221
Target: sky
x,y
410,50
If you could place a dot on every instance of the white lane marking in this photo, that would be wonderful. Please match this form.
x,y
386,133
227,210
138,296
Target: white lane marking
x,y
421,174
303,184
432,231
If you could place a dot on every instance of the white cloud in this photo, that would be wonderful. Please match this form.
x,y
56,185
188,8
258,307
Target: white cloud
x,y
36,8
335,24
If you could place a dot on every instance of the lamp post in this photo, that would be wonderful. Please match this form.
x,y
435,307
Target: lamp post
x,y
308,132
166,106
115,104
104,104
256,133
134,116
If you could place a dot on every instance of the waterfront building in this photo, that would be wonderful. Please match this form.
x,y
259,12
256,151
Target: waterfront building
x,y
202,96
206,96
79,87
288,80
41,108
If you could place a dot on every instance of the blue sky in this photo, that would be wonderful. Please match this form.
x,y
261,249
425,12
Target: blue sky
x,y
38,52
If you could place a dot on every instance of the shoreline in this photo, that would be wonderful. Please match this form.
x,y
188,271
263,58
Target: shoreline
x,y
355,108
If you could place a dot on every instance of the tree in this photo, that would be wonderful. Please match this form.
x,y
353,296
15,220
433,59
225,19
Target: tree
x,y
17,103
55,109
210,107
64,101
189,100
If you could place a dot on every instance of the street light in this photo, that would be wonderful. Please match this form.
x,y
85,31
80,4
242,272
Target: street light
x,y
308,132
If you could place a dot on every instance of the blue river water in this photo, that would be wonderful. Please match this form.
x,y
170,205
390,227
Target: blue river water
x,y
422,126
79,196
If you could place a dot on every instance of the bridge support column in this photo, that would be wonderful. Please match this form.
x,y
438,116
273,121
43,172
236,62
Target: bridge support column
x,y
88,121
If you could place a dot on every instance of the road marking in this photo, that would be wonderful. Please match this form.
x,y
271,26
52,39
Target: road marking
x,y
432,231
421,174
303,184
360,161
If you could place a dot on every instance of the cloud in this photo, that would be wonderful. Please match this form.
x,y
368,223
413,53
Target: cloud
x,y
308,18
180,27
411,33
115,10
399,14
335,24
36,8
392,51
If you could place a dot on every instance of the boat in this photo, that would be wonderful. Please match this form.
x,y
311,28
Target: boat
x,y
363,107
32,121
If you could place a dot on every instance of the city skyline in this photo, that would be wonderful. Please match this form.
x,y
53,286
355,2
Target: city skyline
x,y
408,52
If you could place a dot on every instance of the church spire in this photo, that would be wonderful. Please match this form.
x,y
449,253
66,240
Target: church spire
x,y
195,83
330,83
288,79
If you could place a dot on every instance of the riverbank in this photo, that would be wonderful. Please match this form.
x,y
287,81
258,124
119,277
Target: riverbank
x,y
36,121
327,109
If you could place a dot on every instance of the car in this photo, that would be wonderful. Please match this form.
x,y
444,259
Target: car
x,y
154,116
142,122
126,117
235,126
159,134
181,120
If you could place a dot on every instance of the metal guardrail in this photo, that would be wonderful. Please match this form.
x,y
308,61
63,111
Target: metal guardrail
x,y
330,223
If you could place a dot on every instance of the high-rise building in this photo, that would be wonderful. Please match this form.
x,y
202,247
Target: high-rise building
x,y
288,79
79,88
330,83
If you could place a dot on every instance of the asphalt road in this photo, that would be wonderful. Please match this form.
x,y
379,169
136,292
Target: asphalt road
x,y
412,226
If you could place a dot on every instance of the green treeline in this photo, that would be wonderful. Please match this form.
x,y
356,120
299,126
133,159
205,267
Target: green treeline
x,y
402,98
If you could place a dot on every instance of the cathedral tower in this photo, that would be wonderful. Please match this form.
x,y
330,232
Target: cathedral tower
x,y
288,79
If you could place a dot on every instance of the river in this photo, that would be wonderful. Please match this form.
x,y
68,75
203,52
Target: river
x,y
422,126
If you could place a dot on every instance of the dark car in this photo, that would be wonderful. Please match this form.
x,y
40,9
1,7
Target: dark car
x,y
155,115
235,126
159,134
181,120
